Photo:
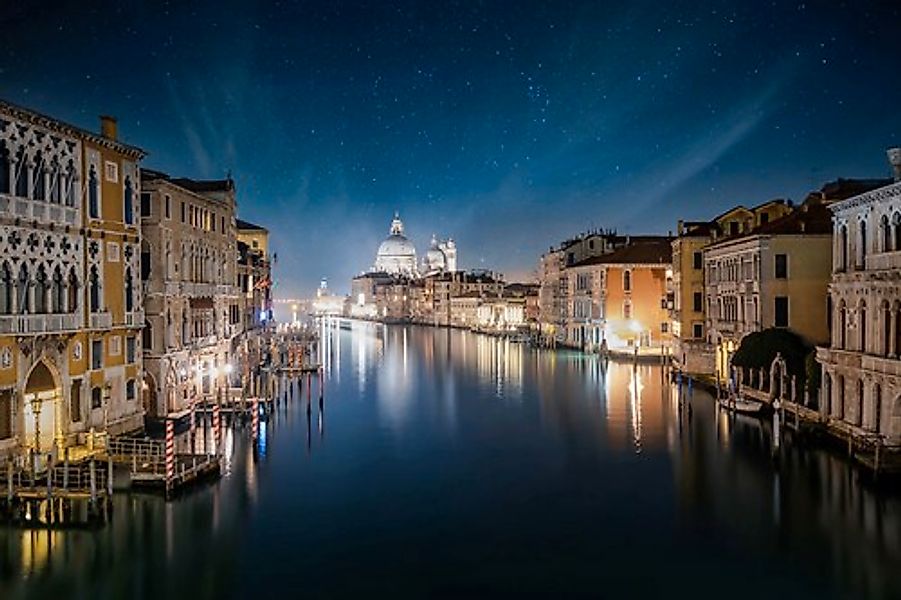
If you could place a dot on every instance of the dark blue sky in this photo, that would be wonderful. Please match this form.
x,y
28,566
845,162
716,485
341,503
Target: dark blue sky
x,y
507,125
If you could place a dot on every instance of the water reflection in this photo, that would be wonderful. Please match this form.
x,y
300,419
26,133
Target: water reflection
x,y
441,440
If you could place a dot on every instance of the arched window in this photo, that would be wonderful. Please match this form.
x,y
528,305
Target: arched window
x,y
21,173
40,291
862,252
38,189
72,291
129,202
896,227
58,292
55,175
129,291
627,281
94,292
843,251
886,328
22,287
93,194
842,324
877,408
840,409
886,230
859,417
6,289
862,326
69,184
147,337
4,168
145,260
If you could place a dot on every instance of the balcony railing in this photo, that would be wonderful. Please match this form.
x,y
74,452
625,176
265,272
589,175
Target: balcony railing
x,y
40,210
134,319
884,261
103,320
39,323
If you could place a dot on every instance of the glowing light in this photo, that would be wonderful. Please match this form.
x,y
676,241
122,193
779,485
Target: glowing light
x,y
635,326
229,368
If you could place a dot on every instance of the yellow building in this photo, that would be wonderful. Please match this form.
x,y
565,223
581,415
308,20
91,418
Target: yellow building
x,y
70,316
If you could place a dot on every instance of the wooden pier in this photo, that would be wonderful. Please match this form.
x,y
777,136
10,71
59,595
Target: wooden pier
x,y
59,495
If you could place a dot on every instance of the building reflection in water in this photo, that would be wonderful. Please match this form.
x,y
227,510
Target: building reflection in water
x,y
579,428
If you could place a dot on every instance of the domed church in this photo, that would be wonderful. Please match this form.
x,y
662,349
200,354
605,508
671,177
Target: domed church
x,y
396,255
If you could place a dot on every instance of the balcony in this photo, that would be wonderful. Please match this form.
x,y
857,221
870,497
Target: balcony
x,y
25,324
45,212
884,261
101,320
134,319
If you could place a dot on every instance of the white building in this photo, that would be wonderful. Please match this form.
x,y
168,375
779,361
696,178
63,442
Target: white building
x,y
861,386
396,255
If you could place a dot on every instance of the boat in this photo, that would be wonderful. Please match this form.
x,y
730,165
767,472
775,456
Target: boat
x,y
743,406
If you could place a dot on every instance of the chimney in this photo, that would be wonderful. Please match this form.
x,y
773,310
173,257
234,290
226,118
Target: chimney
x,y
894,158
108,127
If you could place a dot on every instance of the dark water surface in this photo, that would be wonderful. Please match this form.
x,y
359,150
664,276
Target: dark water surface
x,y
447,463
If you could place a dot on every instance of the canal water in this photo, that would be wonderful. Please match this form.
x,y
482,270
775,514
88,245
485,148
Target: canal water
x,y
445,463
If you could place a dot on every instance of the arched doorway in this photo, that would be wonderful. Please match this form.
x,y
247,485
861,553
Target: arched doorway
x,y
149,395
42,408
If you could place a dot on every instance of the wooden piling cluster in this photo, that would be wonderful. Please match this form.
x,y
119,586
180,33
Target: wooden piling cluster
x,y
56,495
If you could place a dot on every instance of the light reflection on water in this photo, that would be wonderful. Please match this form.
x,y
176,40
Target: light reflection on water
x,y
456,463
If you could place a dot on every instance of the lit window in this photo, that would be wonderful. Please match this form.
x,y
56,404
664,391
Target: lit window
x,y
111,171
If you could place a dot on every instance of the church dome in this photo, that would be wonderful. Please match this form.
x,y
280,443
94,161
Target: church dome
x,y
396,255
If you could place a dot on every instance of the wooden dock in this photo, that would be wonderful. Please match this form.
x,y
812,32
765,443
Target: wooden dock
x,y
57,496
147,465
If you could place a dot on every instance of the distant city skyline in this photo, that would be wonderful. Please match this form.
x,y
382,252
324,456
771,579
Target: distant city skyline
x,y
507,130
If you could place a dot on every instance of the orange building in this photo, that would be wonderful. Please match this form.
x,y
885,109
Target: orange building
x,y
620,300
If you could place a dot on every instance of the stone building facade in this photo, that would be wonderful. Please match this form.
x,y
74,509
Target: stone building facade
x,y
861,382
189,272
70,299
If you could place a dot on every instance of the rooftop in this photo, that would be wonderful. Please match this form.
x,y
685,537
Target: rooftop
x,y
640,250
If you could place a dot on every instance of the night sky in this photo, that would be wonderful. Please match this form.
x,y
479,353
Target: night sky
x,y
506,125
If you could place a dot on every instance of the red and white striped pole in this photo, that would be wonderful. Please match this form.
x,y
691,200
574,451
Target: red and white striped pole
x,y
217,431
170,451
255,417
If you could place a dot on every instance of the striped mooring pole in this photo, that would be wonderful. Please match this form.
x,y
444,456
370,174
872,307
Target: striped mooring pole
x,y
170,451
217,428
255,417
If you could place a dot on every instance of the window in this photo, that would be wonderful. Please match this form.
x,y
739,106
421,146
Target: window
x,y
862,253
698,300
781,307
182,212
128,202
96,397
733,228
111,171
75,401
168,206
115,345
130,389
93,195
96,354
627,281
764,218
147,337
698,330
4,168
843,251
94,289
145,204
627,310
781,266
698,259
131,344
129,291
6,414
664,327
